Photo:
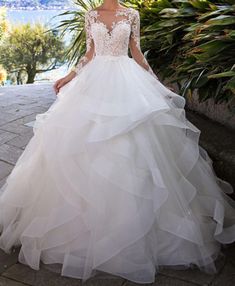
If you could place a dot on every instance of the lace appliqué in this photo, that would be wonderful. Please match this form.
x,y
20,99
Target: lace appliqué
x,y
135,35
89,18
113,40
80,64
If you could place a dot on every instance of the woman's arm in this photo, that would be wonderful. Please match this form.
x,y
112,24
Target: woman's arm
x,y
83,60
89,46
134,44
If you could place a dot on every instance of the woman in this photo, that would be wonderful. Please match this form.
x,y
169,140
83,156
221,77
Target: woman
x,y
113,179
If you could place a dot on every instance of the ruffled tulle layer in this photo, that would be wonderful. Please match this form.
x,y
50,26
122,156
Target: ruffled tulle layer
x,y
114,180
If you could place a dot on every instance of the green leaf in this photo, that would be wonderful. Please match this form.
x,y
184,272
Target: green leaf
x,y
170,11
223,74
199,4
231,84
221,20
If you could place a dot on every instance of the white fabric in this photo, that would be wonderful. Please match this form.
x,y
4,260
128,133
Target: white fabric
x,y
114,180
112,34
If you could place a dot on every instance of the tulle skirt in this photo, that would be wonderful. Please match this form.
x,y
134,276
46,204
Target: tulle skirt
x,y
114,180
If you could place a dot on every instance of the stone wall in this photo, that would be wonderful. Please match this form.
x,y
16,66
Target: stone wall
x,y
223,113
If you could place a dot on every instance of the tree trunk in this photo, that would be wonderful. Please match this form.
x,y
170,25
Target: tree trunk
x,y
18,77
31,75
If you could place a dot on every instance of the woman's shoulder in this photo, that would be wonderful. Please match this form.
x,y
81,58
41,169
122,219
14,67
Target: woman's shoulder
x,y
132,13
91,13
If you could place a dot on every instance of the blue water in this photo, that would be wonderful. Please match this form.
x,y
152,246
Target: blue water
x,y
28,16
45,17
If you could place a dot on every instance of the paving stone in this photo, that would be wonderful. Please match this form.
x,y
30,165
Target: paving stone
x,y
20,141
10,106
104,279
8,282
5,169
38,109
19,111
26,108
100,278
162,280
27,118
2,182
9,154
6,136
29,132
21,104
104,282
42,277
15,127
226,277
7,260
8,117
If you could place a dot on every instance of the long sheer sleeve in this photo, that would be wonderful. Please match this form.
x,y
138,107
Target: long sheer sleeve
x,y
88,56
134,44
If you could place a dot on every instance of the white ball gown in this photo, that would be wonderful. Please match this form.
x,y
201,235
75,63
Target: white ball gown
x,y
113,179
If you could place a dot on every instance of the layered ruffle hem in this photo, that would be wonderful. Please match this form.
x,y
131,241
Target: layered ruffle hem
x,y
114,180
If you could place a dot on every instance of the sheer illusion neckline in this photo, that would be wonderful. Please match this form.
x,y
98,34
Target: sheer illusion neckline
x,y
113,23
115,10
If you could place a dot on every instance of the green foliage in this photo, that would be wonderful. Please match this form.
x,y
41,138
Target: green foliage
x,y
3,23
193,43
31,49
75,24
3,75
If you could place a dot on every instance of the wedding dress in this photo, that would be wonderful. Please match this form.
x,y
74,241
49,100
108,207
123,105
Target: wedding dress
x,y
113,179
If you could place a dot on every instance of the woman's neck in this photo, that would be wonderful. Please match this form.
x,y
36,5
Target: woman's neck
x,y
110,5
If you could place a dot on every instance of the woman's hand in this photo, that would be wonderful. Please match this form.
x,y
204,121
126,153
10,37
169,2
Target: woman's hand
x,y
63,81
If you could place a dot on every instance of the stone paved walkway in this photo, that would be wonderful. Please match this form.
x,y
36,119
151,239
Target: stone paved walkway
x,y
18,108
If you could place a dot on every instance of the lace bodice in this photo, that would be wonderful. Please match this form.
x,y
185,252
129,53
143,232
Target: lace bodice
x,y
112,39
110,34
